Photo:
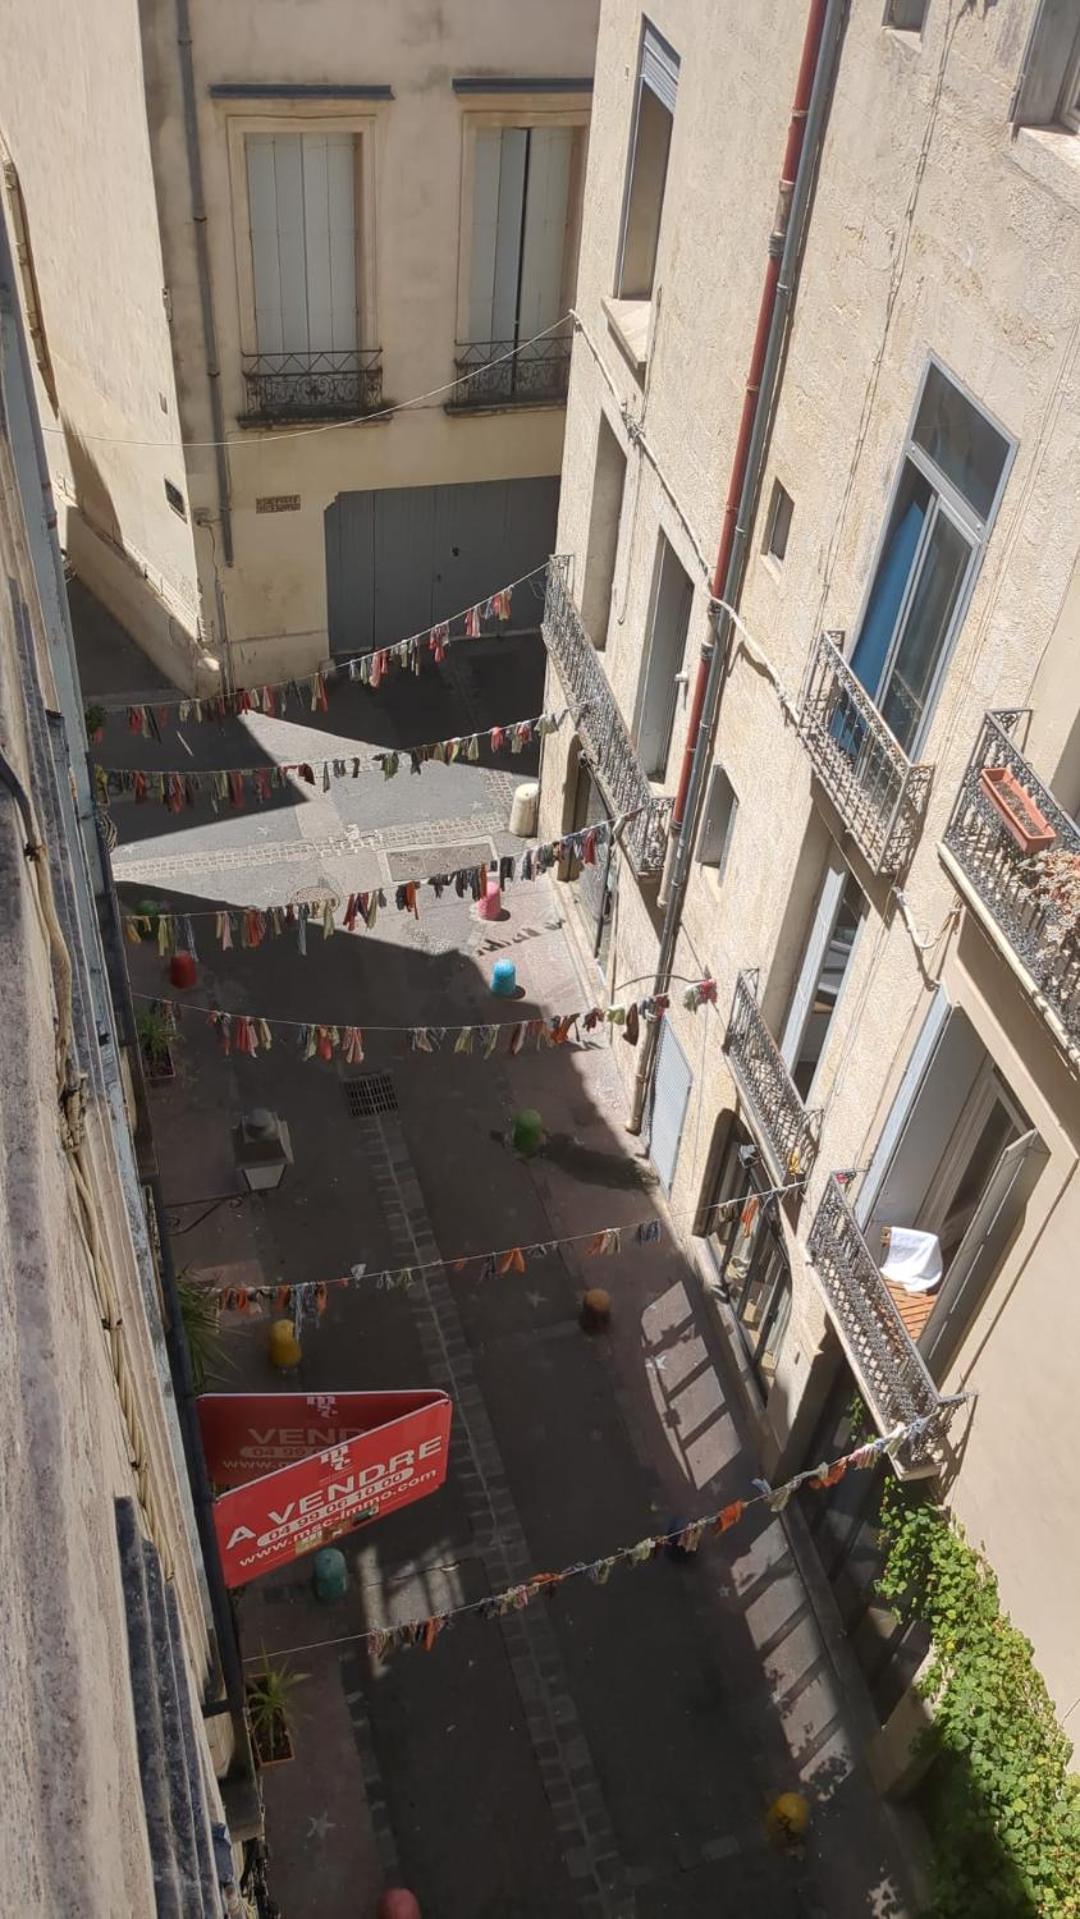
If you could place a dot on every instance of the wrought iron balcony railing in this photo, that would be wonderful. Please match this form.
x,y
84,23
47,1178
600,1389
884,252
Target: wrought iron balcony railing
x,y
601,728
1024,882
312,386
788,1132
891,1373
880,796
500,373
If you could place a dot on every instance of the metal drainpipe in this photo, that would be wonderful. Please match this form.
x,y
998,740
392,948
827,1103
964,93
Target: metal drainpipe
x,y
805,132
206,294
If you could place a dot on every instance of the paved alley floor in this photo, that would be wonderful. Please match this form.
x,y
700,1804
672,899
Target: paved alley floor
x,y
612,1751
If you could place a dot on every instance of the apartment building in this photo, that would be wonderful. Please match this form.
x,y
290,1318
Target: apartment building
x,y
114,1737
244,225
861,390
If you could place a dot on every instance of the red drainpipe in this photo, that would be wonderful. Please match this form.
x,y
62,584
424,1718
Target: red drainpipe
x,y
720,588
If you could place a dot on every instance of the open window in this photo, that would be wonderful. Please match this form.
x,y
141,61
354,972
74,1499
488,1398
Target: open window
x,y
669,620
956,1163
742,1232
1048,88
643,198
605,516
826,959
952,472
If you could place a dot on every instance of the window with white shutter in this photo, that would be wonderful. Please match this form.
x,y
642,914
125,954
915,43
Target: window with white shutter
x,y
518,267
303,212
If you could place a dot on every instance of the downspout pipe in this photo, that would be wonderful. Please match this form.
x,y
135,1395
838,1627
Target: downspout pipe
x,y
813,90
206,292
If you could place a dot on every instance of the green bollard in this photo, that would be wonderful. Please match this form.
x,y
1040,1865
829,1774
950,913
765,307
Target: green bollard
x,y
528,1132
329,1574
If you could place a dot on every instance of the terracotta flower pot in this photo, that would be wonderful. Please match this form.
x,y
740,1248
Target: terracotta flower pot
x,y
1024,820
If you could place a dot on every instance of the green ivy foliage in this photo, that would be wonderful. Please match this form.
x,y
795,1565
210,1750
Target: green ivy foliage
x,y
1003,1810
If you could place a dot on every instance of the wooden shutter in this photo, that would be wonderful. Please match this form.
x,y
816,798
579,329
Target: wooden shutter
x,y
979,1252
302,206
544,238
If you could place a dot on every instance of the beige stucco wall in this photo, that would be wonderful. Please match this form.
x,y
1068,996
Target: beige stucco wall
x,y
72,1828
932,229
73,117
413,158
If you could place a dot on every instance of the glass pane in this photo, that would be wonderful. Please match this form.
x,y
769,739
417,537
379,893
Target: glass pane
x,y
827,989
925,629
753,1306
961,441
776,1325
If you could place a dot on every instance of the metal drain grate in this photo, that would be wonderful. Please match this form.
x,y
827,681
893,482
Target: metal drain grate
x,y
372,1094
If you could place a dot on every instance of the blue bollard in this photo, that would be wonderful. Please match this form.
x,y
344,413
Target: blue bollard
x,y
329,1574
504,979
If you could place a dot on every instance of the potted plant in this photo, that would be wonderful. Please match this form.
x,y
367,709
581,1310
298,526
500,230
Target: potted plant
x,y
155,1032
1056,883
1024,820
94,718
268,1698
202,1330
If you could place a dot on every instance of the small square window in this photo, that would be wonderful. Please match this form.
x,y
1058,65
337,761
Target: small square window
x,y
175,499
906,16
718,822
778,524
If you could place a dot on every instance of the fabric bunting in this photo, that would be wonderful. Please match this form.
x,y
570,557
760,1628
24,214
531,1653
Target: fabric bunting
x,y
275,698
500,1263
688,1537
237,786
247,1033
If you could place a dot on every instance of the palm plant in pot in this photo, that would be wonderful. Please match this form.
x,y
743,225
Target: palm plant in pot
x,y
155,1032
94,718
269,1696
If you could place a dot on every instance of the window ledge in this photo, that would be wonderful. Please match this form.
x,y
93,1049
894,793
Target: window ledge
x,y
629,323
1051,155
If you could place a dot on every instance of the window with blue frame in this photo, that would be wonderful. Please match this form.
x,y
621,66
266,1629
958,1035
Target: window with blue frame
x,y
954,466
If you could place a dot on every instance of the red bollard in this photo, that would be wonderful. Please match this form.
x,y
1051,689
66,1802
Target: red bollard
x,y
182,970
398,1904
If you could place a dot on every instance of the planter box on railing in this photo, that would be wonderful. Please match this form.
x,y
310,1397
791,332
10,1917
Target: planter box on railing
x,y
1026,822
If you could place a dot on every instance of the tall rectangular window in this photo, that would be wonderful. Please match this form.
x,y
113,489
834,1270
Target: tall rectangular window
x,y
302,204
825,962
718,822
650,145
521,197
605,514
669,621
951,476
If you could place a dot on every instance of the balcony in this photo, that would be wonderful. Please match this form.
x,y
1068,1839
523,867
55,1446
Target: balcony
x,y
311,386
1026,895
880,796
534,375
787,1131
601,729
891,1373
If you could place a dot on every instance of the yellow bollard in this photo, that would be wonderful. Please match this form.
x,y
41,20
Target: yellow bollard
x,y
787,1819
284,1346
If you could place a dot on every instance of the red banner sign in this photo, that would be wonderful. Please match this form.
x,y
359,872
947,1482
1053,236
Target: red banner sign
x,y
340,1459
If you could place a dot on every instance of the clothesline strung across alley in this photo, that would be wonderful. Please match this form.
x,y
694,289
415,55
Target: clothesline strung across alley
x,y
249,926
495,1262
274,697
252,1033
176,787
683,1540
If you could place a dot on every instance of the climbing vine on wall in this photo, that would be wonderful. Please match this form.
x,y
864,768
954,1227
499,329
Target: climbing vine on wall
x,y
1003,1809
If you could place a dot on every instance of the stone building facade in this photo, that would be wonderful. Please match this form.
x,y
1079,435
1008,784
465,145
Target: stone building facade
x,y
884,865
288,217
111,1736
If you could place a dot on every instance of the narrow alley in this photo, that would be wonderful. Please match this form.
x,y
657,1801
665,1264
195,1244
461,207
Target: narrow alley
x,y
612,1751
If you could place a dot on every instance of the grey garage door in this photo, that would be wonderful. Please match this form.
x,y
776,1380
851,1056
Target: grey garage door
x,y
671,1085
399,558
